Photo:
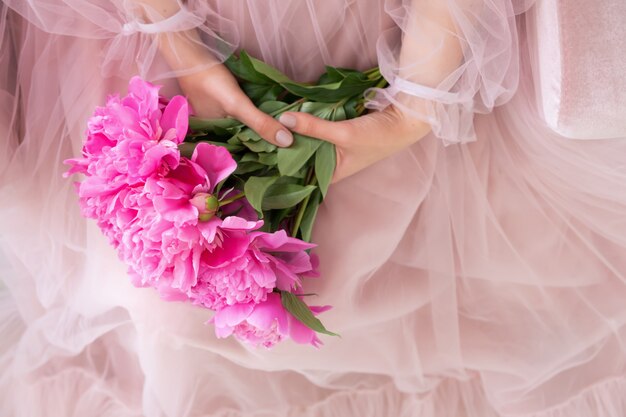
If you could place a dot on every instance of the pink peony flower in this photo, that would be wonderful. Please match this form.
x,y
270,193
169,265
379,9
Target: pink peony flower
x,y
133,137
271,260
128,140
169,240
264,324
286,255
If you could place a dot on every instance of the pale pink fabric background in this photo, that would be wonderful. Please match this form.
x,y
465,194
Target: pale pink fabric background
x,y
485,278
580,62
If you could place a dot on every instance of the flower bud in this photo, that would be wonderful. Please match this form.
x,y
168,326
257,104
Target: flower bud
x,y
207,205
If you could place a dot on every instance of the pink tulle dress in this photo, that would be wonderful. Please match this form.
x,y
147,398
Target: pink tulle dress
x,y
478,273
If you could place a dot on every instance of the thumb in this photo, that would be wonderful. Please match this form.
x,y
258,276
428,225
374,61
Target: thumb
x,y
315,127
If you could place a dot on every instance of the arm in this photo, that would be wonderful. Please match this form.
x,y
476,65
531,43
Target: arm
x,y
367,139
210,88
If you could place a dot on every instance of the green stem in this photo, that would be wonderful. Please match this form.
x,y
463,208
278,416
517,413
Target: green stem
x,y
303,207
372,71
310,180
382,83
230,200
360,108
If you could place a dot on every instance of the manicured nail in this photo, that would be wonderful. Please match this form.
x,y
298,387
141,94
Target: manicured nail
x,y
284,138
287,120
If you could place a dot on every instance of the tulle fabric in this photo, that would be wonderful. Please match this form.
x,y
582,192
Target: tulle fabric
x,y
481,279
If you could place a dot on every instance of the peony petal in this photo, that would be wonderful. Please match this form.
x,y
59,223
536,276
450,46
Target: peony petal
x,y
238,223
232,315
142,96
77,165
300,333
234,245
176,117
297,262
286,280
265,313
264,276
188,176
155,156
184,275
241,208
223,332
216,161
319,309
279,241
168,293
209,228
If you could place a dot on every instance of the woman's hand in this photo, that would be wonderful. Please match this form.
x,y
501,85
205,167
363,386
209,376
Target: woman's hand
x,y
214,93
362,141
212,90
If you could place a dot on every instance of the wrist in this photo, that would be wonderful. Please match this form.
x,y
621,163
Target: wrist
x,y
413,129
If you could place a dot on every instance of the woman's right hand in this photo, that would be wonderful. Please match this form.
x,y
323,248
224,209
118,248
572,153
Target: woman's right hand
x,y
214,93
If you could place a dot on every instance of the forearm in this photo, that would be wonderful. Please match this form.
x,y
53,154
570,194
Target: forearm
x,y
182,50
429,53
431,49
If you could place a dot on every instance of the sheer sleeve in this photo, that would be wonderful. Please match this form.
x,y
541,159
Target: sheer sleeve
x,y
456,58
131,31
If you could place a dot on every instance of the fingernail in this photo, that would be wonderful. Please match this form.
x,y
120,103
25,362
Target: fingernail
x,y
284,138
287,120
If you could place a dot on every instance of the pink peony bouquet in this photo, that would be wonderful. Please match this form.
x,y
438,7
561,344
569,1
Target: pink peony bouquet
x,y
175,225
206,212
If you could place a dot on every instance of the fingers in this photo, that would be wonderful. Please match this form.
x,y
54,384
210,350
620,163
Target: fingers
x,y
266,126
309,125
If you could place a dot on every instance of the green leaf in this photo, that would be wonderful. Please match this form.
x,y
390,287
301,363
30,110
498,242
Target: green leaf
x,y
291,159
263,69
284,179
250,157
321,110
268,158
302,312
350,108
262,93
272,106
339,113
308,219
249,167
325,163
255,190
233,149
260,146
280,196
229,131
332,75
248,134
243,69
187,148
302,173
331,93
209,125
335,74
277,217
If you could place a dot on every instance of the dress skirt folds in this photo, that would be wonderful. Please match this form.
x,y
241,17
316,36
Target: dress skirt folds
x,y
479,273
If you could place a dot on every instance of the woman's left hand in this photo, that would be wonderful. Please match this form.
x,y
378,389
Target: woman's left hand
x,y
362,141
